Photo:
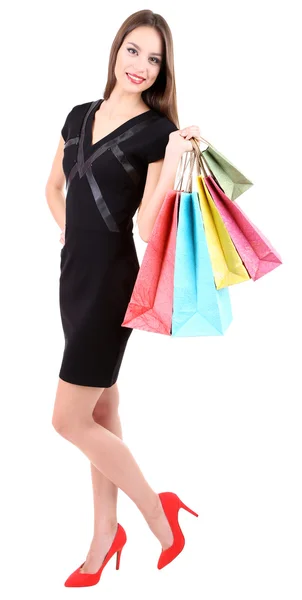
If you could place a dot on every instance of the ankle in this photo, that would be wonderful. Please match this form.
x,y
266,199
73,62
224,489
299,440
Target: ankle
x,y
104,528
155,510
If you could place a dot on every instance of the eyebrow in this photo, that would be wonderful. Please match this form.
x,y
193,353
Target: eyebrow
x,y
136,46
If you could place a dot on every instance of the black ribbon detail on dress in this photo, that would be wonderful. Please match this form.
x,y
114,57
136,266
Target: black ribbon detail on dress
x,y
71,141
125,163
100,202
83,167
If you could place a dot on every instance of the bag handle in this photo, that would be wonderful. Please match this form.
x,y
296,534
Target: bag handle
x,y
188,159
192,158
201,165
184,161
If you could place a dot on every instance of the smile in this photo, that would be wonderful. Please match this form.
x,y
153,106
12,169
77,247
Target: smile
x,y
134,78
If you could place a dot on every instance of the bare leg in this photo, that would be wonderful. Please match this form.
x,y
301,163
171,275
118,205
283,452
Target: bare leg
x,y
104,491
73,419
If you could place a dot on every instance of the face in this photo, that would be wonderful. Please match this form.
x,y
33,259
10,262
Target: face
x,y
140,54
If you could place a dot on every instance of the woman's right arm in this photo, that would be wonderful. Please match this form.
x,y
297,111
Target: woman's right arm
x,y
54,189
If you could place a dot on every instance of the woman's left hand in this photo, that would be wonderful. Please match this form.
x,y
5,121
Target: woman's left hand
x,y
179,140
191,131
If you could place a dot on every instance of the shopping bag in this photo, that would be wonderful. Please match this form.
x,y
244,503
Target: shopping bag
x,y
256,251
199,309
175,292
228,177
150,306
227,265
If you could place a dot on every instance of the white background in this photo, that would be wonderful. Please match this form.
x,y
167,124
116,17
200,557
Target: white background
x,y
216,420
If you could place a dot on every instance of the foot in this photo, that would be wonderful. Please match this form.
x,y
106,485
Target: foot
x,y
99,547
160,525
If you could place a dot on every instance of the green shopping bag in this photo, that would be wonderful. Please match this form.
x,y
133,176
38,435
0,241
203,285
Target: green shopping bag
x,y
232,182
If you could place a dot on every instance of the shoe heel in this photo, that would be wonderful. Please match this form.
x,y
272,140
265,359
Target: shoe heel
x,y
182,505
118,558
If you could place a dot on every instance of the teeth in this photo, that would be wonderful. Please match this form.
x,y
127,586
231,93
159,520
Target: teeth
x,y
135,78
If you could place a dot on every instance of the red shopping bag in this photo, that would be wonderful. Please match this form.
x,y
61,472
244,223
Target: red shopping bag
x,y
151,302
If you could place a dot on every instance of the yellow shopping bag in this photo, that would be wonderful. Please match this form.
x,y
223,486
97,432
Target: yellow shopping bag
x,y
227,265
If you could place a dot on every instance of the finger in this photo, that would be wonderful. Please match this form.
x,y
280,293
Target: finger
x,y
193,132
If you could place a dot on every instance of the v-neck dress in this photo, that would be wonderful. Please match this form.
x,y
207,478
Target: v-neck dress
x,y
99,265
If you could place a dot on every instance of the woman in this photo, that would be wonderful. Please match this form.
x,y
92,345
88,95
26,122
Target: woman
x,y
118,154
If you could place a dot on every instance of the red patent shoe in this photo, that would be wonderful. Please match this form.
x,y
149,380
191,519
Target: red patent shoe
x,y
171,504
79,579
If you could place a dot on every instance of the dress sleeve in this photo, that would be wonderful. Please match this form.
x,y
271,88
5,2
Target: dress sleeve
x,y
65,128
156,146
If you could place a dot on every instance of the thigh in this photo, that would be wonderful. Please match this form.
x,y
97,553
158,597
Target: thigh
x,y
74,405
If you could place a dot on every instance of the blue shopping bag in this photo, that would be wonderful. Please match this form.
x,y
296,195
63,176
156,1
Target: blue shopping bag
x,y
198,307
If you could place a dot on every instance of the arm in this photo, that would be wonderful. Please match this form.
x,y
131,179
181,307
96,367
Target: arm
x,y
161,178
54,189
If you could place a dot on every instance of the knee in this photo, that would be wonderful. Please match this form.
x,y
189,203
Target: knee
x,y
58,425
62,426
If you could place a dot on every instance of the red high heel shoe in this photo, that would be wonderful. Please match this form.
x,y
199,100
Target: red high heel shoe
x,y
79,579
171,504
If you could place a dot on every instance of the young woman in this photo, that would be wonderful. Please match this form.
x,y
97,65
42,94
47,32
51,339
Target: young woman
x,y
118,154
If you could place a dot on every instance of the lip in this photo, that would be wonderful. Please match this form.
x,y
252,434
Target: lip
x,y
134,75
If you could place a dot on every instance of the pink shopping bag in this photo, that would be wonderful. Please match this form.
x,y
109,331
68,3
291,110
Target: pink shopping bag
x,y
255,250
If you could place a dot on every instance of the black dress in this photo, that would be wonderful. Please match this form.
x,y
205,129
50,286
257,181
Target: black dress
x,y
99,265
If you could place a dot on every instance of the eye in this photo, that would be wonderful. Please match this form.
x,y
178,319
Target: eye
x,y
153,58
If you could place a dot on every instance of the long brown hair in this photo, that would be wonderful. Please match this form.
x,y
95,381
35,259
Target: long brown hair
x,y
161,96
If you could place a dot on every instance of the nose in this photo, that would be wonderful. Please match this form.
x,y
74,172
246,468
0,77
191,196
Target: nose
x,y
141,72
140,67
